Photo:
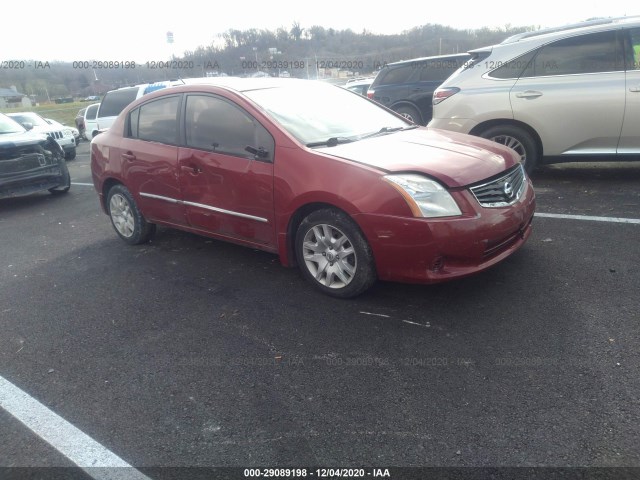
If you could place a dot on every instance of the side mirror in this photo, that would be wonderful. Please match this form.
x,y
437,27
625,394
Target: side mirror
x,y
28,125
257,152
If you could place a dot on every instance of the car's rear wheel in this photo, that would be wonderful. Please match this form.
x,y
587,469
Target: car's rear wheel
x,y
410,113
518,140
126,218
334,255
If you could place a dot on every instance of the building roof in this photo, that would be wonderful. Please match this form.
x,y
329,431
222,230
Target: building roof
x,y
7,92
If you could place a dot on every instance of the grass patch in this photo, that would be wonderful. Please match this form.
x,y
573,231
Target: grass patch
x,y
64,113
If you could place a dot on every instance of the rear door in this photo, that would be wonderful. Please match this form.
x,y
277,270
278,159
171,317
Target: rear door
x,y
149,159
90,123
391,84
630,137
573,94
226,171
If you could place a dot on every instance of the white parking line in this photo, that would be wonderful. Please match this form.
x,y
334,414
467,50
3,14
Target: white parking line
x,y
589,218
83,184
86,453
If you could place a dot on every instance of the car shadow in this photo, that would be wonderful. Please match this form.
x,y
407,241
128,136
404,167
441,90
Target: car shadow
x,y
589,172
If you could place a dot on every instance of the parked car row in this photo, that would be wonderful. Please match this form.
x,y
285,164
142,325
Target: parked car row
x,y
60,133
86,121
353,190
529,92
359,85
556,95
407,87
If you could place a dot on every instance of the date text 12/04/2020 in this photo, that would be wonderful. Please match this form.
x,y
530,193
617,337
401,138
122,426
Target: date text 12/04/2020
x,y
316,472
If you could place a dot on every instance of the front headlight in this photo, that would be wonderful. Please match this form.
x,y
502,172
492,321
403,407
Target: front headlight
x,y
425,197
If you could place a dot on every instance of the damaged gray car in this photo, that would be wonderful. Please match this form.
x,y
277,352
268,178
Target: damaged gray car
x,y
30,162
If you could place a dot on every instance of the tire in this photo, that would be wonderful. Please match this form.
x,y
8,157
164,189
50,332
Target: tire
x,y
66,178
126,218
334,255
71,154
410,114
519,140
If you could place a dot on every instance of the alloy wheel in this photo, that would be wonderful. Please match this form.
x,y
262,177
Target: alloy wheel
x,y
329,256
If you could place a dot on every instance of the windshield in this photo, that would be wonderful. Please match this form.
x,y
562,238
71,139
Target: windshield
x,y
7,125
314,112
31,118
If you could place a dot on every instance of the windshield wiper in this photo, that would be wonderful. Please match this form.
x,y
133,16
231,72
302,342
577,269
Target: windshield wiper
x,y
331,142
384,130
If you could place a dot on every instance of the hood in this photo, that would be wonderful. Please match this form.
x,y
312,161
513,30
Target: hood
x,y
455,159
13,144
21,139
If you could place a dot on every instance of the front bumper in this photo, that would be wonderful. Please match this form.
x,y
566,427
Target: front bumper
x,y
420,250
30,181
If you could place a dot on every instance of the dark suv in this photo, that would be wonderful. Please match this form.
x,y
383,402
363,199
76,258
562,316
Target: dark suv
x,y
30,162
407,86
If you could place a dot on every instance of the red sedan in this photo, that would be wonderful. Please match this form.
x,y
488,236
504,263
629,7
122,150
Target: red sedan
x,y
328,180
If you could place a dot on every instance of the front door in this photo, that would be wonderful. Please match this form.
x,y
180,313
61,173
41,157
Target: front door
x,y
226,171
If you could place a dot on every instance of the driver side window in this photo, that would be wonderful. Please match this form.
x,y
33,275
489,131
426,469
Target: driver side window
x,y
216,125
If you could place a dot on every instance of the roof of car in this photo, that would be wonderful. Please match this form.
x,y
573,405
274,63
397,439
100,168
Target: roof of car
x,y
244,84
453,56
593,23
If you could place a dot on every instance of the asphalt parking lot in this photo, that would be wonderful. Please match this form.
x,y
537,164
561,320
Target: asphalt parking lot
x,y
189,352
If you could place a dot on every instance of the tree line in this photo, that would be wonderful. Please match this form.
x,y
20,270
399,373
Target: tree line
x,y
301,52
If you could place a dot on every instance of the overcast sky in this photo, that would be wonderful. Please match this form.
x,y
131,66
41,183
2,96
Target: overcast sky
x,y
136,30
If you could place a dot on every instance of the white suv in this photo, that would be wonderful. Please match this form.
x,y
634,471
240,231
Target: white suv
x,y
114,101
63,135
556,95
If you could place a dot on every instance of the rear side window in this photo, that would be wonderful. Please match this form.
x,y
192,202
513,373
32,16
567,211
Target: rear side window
x,y
91,113
633,49
592,53
437,70
156,121
512,68
114,102
396,75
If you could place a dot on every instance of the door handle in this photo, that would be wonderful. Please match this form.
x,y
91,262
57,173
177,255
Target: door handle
x,y
129,156
194,169
529,94
634,89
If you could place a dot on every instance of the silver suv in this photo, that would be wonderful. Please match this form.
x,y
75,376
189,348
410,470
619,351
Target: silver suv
x,y
556,95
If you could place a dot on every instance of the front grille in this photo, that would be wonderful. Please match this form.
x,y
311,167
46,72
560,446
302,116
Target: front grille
x,y
24,163
503,191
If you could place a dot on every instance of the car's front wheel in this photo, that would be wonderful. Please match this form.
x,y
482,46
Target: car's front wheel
x,y
334,255
126,218
65,184
518,140
70,154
